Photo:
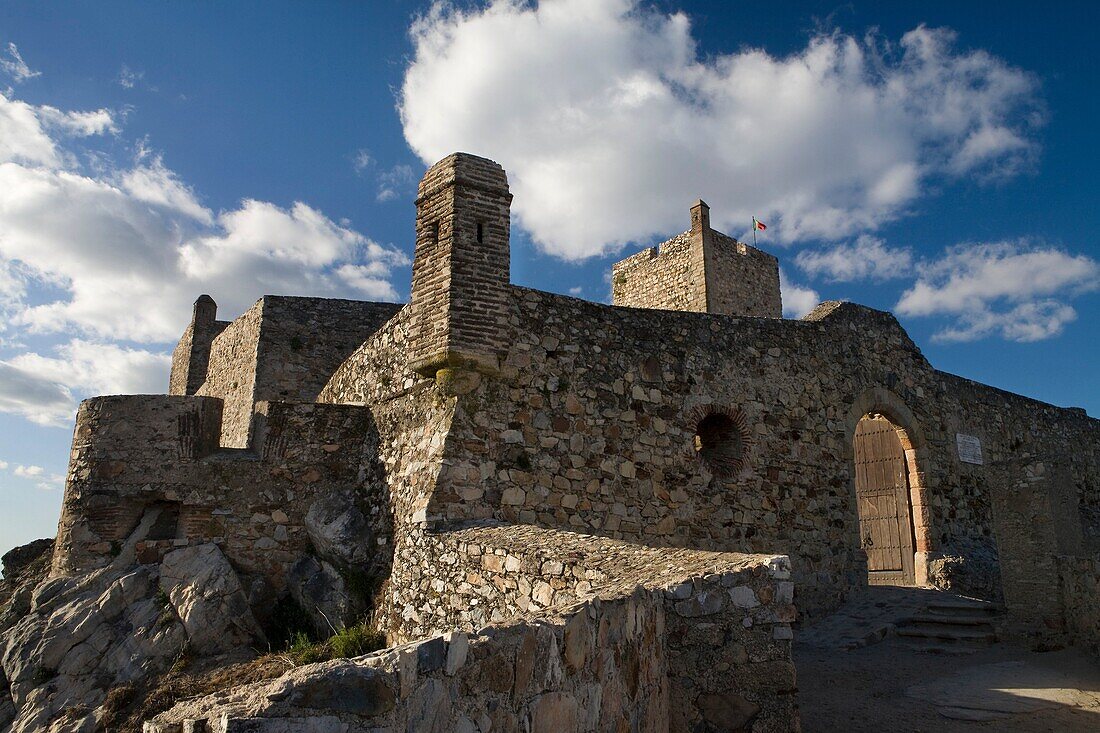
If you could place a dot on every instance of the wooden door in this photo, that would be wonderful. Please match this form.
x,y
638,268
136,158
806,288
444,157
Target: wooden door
x,y
882,495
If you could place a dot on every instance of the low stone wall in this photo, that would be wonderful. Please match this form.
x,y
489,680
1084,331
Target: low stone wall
x,y
1079,579
135,453
703,653
468,578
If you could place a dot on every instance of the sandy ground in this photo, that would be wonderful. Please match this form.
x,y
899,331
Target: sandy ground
x,y
891,688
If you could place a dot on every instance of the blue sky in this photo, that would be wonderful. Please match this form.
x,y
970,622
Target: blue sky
x,y
935,159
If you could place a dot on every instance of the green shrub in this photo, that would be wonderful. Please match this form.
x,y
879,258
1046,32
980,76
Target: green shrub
x,y
355,641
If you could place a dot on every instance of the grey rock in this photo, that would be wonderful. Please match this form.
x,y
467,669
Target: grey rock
x,y
207,596
339,531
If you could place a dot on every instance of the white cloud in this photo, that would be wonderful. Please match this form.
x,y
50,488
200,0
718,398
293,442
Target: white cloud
x,y
153,183
129,78
626,124
119,253
39,400
576,291
362,160
867,257
3,465
1016,289
797,300
101,368
55,482
130,247
45,389
78,124
395,182
15,67
28,471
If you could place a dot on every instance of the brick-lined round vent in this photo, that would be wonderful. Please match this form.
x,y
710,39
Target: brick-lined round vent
x,y
721,441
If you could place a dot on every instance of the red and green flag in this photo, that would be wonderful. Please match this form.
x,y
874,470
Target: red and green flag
x,y
758,225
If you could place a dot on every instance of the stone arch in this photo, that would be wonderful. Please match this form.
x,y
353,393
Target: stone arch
x,y
882,401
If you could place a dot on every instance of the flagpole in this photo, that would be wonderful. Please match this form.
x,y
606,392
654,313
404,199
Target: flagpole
x,y
754,231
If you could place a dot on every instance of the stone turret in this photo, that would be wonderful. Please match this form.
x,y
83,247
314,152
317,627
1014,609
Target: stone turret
x,y
703,271
461,267
192,355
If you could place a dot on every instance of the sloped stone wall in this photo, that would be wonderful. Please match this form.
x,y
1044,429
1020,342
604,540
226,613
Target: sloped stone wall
x,y
702,653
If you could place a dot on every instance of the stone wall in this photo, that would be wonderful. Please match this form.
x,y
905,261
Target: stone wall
x,y
669,276
590,426
741,279
136,453
231,374
283,349
304,340
699,653
1079,582
192,354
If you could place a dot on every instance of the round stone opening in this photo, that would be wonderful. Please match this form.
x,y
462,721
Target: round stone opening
x,y
720,444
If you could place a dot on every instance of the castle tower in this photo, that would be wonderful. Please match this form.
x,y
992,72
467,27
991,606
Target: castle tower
x,y
192,355
703,271
461,267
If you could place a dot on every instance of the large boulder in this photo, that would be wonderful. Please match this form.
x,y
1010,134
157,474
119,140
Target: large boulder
x,y
339,531
207,596
322,592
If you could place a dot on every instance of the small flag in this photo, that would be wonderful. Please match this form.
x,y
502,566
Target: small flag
x,y
758,224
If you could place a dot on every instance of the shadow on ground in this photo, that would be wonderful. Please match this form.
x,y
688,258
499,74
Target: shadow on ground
x,y
894,686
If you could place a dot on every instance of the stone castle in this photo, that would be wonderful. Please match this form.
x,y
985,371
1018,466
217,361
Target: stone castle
x,y
569,516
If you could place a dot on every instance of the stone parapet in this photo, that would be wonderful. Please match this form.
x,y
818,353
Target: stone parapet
x,y
697,644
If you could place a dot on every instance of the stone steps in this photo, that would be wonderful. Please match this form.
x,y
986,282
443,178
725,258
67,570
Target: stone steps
x,y
946,632
960,620
949,625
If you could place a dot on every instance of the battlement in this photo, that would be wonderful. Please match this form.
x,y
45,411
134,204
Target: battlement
x,y
702,271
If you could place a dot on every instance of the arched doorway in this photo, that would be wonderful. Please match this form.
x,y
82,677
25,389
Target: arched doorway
x,y
883,500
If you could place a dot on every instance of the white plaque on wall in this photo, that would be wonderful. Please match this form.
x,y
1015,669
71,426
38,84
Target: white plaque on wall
x,y
970,448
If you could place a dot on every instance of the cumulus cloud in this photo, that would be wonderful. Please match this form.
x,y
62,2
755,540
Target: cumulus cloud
x,y
626,123
14,66
797,299
28,471
867,258
45,388
1015,289
130,249
39,400
118,254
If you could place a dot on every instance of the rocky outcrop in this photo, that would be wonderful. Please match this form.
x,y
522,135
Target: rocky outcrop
x,y
80,638
24,568
122,625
